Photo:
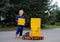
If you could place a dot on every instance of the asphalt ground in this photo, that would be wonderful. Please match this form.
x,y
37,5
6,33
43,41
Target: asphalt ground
x,y
50,35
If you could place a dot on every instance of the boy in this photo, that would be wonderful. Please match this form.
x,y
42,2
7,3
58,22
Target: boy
x,y
19,28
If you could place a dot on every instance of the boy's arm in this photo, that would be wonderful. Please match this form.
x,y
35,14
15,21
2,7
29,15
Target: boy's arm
x,y
16,18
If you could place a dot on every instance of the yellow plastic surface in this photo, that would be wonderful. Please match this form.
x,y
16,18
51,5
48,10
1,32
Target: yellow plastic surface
x,y
35,27
21,21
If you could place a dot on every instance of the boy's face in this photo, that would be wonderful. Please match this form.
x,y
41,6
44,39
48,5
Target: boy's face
x,y
21,12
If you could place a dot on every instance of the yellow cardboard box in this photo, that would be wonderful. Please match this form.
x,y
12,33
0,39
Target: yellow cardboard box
x,y
21,21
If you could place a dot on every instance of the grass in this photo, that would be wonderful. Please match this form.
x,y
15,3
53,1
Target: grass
x,y
8,28
11,28
15,28
52,26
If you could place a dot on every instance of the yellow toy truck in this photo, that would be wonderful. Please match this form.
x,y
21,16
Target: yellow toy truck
x,y
35,32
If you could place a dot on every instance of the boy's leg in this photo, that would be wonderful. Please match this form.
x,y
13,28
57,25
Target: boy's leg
x,y
21,31
18,30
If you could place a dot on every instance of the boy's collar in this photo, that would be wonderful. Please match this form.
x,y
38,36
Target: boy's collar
x,y
19,15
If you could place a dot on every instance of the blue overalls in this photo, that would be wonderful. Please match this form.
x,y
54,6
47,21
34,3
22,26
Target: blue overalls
x,y
19,28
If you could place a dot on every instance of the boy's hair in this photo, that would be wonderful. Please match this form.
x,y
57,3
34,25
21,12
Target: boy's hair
x,y
21,10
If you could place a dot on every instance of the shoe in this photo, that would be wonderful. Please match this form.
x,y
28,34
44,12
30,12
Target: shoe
x,y
20,36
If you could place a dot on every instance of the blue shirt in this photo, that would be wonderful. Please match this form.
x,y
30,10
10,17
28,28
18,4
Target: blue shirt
x,y
19,17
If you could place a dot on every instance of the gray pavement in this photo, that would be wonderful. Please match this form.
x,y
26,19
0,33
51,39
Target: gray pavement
x,y
51,35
